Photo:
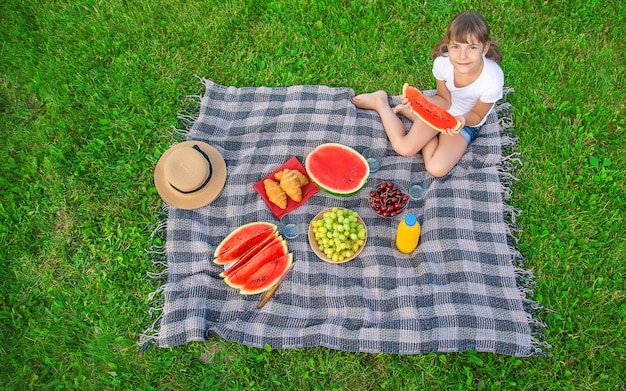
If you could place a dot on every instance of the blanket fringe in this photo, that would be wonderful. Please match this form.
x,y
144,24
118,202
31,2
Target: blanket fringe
x,y
190,112
525,279
189,115
157,254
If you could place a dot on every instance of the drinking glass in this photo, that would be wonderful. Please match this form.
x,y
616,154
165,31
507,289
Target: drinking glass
x,y
290,225
417,187
373,159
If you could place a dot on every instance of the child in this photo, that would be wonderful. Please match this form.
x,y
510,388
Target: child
x,y
469,82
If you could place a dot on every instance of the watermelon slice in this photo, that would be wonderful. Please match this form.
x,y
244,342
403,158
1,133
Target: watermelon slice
x,y
267,275
434,116
337,169
238,278
275,238
241,240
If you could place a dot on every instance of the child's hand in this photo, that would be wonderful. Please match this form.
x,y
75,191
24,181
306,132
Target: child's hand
x,y
404,109
452,132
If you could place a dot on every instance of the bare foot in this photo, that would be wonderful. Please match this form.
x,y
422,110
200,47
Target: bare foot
x,y
371,101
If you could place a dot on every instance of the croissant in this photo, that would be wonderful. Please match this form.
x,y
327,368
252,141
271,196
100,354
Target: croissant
x,y
290,183
301,177
279,174
275,194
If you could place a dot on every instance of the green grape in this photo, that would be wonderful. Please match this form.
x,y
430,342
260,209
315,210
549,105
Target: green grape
x,y
338,234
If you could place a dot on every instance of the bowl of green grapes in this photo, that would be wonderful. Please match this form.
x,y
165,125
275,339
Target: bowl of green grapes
x,y
337,235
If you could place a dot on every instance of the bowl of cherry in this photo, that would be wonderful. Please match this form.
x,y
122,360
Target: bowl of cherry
x,y
388,199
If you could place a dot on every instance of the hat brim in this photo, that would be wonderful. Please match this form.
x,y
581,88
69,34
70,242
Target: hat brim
x,y
201,198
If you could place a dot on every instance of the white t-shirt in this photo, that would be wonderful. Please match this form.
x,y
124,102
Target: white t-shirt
x,y
487,88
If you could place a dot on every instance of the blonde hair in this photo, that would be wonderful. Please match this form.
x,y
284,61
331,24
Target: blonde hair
x,y
463,27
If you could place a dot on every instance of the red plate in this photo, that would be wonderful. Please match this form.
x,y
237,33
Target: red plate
x,y
307,191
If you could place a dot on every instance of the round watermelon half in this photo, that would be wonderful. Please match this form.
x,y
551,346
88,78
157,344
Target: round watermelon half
x,y
337,169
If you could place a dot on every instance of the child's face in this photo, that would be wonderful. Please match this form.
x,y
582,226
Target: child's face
x,y
467,57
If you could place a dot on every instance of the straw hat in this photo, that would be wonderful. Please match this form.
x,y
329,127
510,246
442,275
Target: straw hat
x,y
190,175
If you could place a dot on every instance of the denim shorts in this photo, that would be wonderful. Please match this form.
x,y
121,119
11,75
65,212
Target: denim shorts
x,y
469,133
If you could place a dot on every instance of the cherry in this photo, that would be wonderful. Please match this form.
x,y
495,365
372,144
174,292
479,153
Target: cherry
x,y
387,199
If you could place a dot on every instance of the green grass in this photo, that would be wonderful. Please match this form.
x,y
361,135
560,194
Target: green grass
x,y
89,96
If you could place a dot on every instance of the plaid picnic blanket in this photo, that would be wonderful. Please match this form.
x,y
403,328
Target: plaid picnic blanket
x,y
464,288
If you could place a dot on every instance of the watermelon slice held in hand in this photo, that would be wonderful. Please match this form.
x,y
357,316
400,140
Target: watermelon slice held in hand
x,y
434,116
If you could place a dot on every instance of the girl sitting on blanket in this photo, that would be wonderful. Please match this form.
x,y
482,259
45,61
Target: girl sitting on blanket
x,y
469,82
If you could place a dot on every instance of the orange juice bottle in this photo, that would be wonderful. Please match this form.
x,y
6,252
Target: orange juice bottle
x,y
408,234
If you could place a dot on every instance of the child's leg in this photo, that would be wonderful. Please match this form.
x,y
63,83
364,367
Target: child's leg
x,y
379,102
405,144
442,153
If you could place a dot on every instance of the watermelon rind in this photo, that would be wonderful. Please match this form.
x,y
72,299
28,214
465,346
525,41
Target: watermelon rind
x,y
427,105
284,262
324,181
235,244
